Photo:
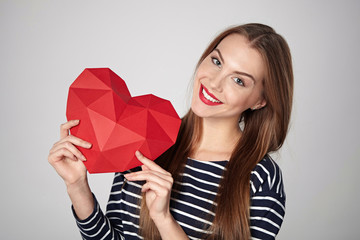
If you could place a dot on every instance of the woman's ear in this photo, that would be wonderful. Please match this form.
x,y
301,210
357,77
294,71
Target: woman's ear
x,y
260,104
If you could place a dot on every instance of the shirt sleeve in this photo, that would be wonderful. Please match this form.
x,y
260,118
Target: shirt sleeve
x,y
267,209
267,212
97,225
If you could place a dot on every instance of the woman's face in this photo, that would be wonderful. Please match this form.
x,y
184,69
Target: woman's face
x,y
229,80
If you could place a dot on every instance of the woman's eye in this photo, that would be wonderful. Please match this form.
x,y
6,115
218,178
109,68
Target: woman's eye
x,y
216,61
239,81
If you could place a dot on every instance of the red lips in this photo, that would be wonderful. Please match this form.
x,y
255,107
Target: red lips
x,y
205,100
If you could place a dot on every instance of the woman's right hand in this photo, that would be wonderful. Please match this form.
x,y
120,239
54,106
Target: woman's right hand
x,y
66,158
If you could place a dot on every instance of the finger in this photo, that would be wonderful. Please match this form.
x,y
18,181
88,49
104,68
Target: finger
x,y
70,147
157,188
64,128
75,140
60,154
144,168
151,176
150,164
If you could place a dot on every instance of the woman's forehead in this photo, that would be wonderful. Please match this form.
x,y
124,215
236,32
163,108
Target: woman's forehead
x,y
237,52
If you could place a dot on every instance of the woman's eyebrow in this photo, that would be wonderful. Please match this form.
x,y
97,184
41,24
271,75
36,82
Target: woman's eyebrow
x,y
220,55
237,72
246,74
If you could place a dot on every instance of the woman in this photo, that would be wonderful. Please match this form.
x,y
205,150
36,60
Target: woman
x,y
217,181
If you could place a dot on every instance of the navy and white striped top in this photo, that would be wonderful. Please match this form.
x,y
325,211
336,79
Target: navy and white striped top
x,y
192,204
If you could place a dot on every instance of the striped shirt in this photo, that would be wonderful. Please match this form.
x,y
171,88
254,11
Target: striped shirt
x,y
191,204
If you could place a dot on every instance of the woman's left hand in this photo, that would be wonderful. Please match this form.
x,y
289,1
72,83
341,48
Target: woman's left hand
x,y
157,187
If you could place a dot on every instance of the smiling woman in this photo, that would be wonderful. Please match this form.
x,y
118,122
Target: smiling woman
x,y
217,181
226,78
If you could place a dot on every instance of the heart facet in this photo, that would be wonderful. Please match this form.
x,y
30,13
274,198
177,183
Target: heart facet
x,y
117,124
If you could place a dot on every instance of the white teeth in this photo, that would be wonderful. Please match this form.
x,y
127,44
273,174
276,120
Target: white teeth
x,y
208,97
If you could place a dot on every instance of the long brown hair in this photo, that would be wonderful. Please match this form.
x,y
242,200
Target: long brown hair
x,y
264,131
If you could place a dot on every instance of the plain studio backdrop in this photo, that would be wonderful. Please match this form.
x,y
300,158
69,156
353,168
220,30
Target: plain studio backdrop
x,y
154,46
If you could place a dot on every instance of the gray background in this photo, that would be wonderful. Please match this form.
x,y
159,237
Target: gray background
x,y
154,46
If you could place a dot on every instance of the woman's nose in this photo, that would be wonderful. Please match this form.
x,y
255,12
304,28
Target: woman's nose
x,y
217,81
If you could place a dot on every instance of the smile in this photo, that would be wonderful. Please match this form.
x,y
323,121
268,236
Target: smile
x,y
208,98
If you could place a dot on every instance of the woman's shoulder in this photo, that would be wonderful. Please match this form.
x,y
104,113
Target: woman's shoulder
x,y
267,177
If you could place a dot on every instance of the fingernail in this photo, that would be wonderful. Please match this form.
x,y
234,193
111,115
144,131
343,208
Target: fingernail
x,y
88,145
138,153
76,120
83,157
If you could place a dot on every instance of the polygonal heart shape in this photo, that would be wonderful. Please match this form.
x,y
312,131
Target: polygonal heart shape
x,y
117,124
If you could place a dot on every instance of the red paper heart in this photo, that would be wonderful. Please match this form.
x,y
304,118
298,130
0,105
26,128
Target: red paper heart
x,y
117,124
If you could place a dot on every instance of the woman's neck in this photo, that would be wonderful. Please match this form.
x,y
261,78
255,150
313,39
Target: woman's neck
x,y
218,140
